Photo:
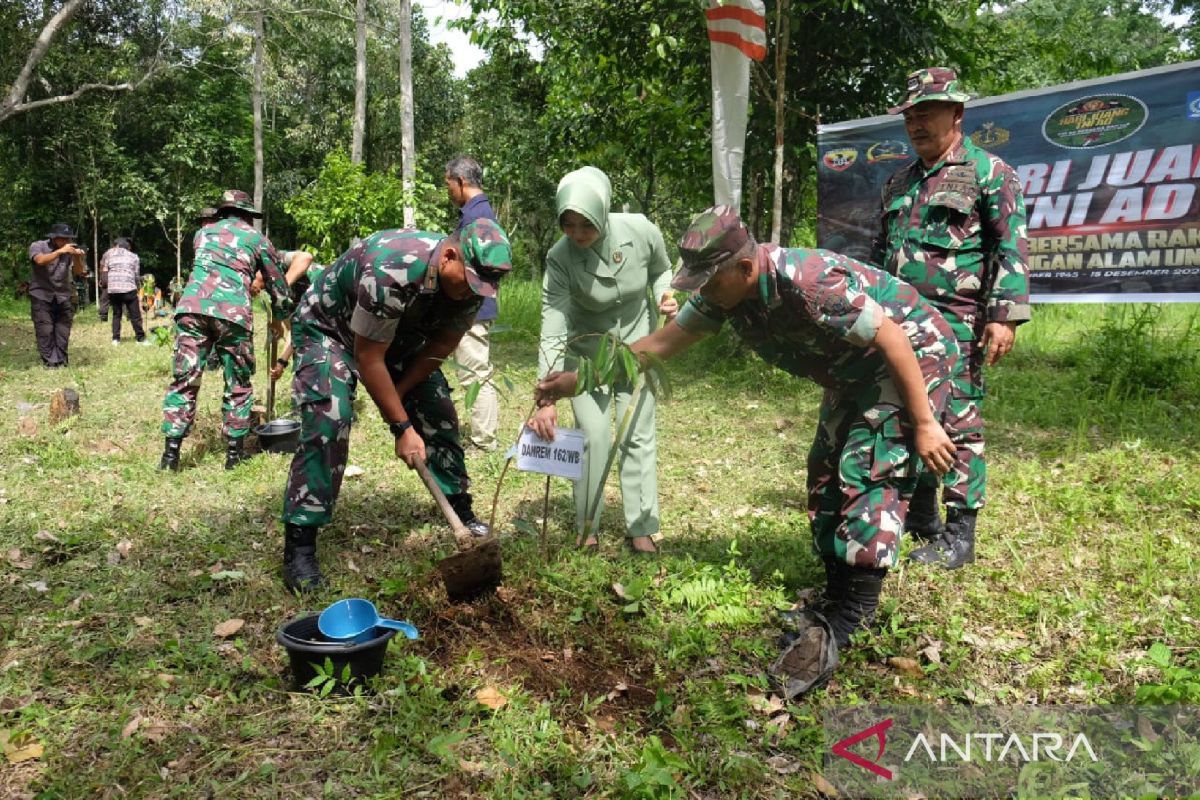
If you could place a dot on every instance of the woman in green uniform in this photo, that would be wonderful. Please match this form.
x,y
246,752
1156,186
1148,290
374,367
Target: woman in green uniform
x,y
608,273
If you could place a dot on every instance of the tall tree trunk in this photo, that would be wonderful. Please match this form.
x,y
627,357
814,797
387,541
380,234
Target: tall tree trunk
x,y
360,82
258,117
408,168
95,253
781,49
178,248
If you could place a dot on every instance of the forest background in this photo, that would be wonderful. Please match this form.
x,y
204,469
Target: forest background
x,y
621,85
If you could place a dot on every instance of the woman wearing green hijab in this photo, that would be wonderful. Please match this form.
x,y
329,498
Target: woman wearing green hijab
x,y
608,272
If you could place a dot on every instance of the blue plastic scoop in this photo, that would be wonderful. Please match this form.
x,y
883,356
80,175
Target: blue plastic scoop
x,y
355,620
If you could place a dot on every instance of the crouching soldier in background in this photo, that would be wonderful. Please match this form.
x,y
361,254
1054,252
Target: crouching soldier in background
x,y
214,315
886,360
388,312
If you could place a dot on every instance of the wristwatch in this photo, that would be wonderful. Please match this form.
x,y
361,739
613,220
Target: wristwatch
x,y
398,428
281,362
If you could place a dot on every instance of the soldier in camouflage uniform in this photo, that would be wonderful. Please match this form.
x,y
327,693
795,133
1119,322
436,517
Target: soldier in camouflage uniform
x,y
388,312
953,225
885,357
214,315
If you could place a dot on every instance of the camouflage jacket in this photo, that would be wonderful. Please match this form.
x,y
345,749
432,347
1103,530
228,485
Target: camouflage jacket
x,y
957,233
228,253
385,288
817,313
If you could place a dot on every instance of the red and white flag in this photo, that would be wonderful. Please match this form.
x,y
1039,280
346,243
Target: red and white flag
x,y
737,33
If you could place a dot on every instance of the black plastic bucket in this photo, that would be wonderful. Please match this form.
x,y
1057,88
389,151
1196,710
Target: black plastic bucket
x,y
279,436
307,649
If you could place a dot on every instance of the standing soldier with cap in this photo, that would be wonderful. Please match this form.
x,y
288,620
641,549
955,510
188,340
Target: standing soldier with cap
x,y
953,225
56,259
387,312
214,315
886,359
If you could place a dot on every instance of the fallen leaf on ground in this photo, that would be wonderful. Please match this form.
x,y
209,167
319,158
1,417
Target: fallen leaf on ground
x,y
45,536
350,565
765,705
353,471
823,786
27,427
932,653
15,558
124,547
783,765
228,628
38,586
142,622
154,730
20,749
491,698
906,666
131,726
619,590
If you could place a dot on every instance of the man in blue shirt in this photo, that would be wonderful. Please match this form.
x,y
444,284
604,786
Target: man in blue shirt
x,y
464,183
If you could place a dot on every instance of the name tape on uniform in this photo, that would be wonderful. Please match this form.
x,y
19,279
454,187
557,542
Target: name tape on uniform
x,y
563,457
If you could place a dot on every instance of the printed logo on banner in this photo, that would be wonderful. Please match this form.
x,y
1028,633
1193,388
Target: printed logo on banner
x,y
990,136
1094,121
1193,105
840,160
889,150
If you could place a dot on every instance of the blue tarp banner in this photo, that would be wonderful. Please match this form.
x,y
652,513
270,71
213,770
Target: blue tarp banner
x,y
1109,169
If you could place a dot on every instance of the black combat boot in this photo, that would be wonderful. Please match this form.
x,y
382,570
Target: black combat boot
x,y
923,520
956,546
856,609
235,452
301,573
837,578
170,456
461,503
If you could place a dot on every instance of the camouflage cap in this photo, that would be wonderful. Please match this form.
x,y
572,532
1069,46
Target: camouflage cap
x,y
487,255
715,235
932,83
235,198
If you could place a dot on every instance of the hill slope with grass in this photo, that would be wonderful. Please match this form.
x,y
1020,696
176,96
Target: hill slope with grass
x,y
585,676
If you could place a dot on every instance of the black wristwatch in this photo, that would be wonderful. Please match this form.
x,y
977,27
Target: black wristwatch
x,y
398,428
281,362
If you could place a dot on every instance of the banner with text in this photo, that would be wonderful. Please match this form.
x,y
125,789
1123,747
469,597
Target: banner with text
x,y
1109,169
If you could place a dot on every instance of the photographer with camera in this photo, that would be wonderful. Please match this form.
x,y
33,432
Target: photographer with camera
x,y
56,260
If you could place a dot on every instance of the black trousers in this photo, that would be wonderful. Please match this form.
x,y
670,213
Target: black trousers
x,y
126,302
52,326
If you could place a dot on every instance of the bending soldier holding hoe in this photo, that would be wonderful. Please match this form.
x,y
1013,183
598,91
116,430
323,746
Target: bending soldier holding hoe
x,y
886,359
953,226
388,312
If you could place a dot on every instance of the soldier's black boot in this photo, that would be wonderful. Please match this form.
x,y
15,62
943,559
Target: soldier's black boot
x,y
235,451
301,573
856,609
461,503
837,578
956,546
923,520
170,456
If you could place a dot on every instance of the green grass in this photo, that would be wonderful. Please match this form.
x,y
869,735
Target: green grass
x,y
1088,556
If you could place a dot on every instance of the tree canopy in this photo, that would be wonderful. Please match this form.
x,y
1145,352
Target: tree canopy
x,y
621,85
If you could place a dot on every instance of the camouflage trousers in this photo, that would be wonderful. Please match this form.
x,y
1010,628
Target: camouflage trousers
x,y
965,484
197,336
324,386
862,471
